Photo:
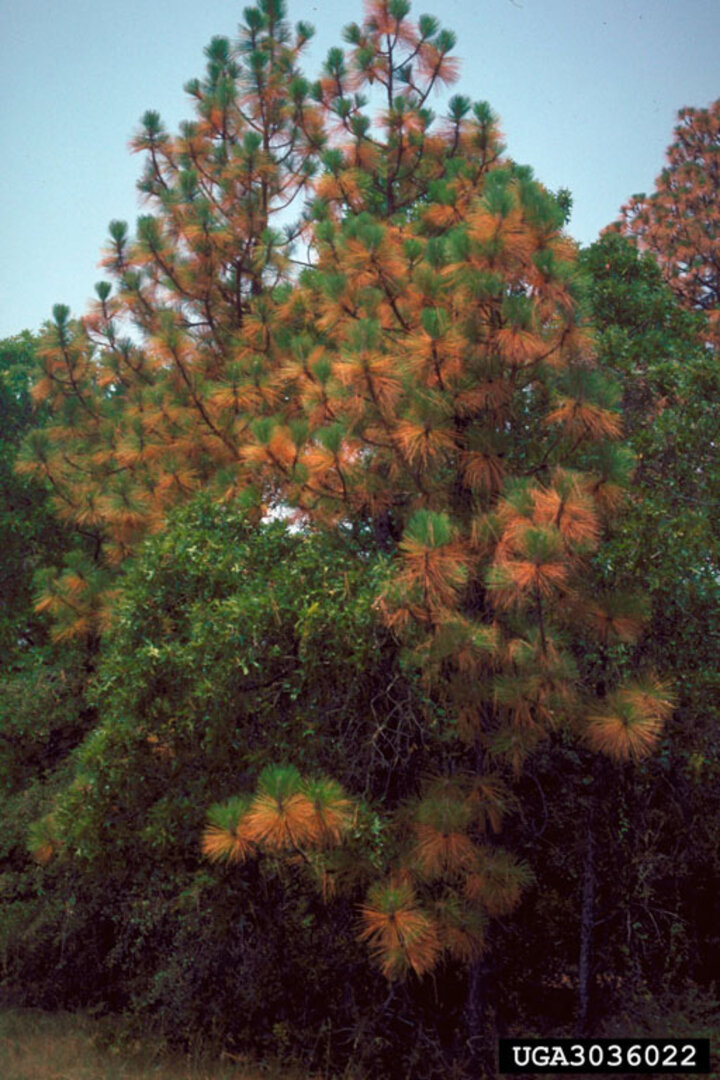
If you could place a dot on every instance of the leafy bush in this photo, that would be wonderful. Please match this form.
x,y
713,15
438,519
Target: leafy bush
x,y
247,646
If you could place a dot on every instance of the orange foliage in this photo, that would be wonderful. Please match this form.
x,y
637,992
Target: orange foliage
x,y
413,364
679,221
398,932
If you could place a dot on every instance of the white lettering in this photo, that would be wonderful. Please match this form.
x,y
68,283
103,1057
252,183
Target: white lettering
x,y
615,1055
652,1055
525,1051
579,1055
688,1053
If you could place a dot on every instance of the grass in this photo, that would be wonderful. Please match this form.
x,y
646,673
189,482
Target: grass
x,y
69,1046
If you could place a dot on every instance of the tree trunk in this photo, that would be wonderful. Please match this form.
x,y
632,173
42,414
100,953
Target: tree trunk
x,y
480,1019
587,920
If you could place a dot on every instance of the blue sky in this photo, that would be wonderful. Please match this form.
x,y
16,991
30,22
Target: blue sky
x,y
587,91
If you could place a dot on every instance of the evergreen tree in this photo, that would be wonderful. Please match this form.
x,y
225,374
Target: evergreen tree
x,y
649,896
29,536
423,378
680,221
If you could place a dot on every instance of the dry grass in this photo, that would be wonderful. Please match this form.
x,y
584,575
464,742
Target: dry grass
x,y
43,1046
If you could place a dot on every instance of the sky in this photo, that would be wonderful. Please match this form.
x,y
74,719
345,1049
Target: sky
x,y
587,92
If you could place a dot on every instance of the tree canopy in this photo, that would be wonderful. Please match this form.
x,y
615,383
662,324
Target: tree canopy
x,y
678,222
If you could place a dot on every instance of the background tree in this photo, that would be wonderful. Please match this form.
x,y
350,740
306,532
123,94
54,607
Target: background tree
x,y
29,536
656,824
672,541
679,221
40,722
44,713
669,544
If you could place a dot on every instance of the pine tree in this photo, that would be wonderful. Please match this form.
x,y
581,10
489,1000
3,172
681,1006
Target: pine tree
x,y
424,375
680,221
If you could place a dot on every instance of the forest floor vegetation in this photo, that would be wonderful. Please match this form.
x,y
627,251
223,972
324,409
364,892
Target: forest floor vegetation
x,y
36,1045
